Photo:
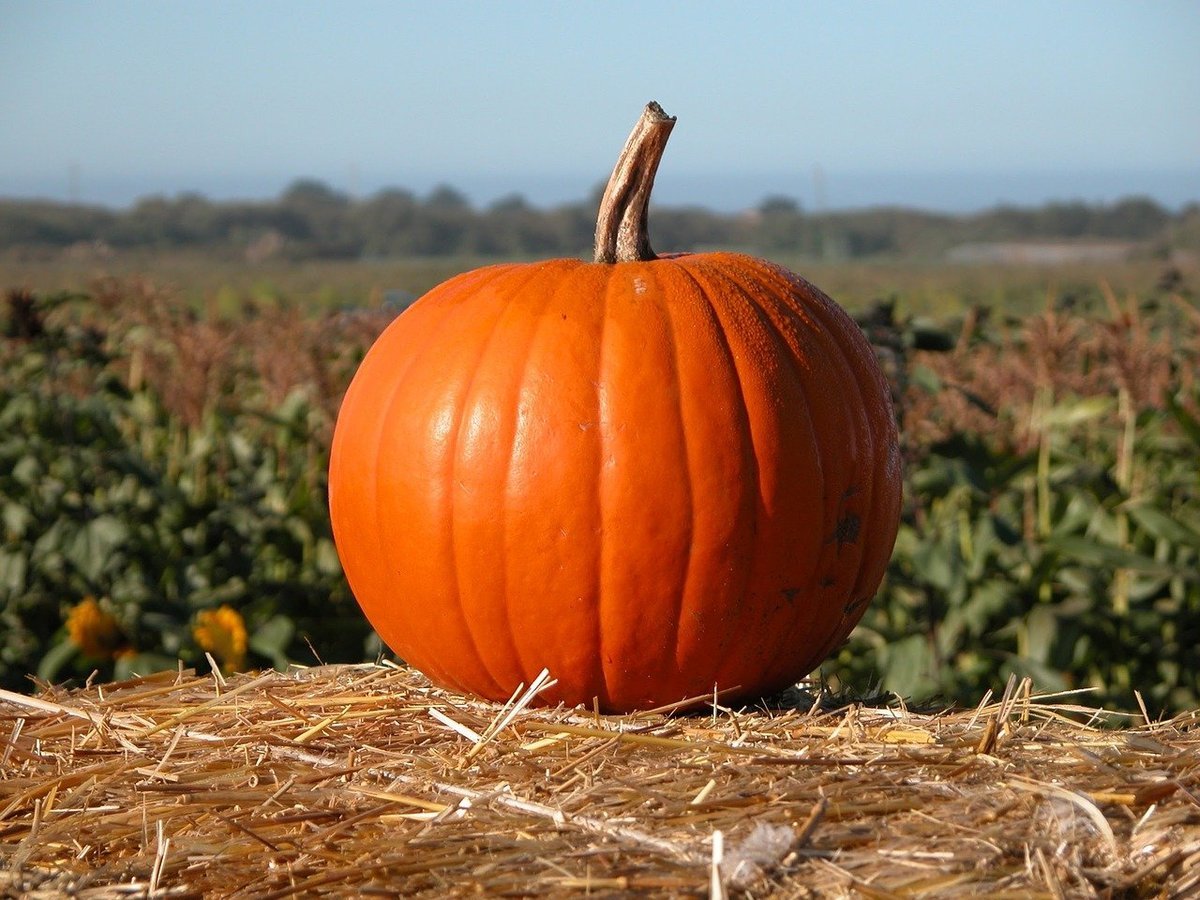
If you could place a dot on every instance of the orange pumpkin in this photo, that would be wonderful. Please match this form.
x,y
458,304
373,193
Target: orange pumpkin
x,y
654,476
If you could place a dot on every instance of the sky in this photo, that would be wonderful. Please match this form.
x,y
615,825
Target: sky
x,y
951,105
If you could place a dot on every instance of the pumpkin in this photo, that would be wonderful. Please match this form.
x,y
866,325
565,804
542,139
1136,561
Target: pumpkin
x,y
655,476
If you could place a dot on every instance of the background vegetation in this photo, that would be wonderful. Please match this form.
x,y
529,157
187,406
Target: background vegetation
x,y
163,451
312,221
156,464
1052,521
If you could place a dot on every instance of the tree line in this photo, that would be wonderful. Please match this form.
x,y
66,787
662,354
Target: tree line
x,y
312,220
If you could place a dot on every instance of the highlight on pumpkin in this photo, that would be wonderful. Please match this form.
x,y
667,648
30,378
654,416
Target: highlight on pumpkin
x,y
95,631
222,632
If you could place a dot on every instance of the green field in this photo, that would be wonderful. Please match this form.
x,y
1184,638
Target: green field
x,y
932,289
164,435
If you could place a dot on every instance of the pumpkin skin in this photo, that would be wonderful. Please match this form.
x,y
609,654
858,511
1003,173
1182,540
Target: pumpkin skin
x,y
652,477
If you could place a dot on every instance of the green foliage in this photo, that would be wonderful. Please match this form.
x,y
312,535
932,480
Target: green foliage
x,y
1075,561
106,493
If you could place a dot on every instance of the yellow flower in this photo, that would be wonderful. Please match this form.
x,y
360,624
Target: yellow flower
x,y
95,631
222,632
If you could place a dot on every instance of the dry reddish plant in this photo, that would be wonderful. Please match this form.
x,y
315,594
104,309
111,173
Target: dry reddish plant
x,y
200,362
998,387
279,346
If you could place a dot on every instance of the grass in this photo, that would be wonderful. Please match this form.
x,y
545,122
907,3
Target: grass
x,y
927,289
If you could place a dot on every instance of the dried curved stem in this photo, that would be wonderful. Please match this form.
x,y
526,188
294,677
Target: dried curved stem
x,y
621,225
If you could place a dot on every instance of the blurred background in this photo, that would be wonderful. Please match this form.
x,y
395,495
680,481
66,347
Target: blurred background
x,y
209,209
936,105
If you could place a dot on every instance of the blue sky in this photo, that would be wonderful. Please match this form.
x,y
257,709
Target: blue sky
x,y
928,103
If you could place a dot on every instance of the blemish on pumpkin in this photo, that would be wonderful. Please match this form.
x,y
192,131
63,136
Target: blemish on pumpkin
x,y
848,527
639,286
853,605
790,594
828,581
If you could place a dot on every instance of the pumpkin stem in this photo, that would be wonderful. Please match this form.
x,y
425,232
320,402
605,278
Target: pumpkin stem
x,y
621,232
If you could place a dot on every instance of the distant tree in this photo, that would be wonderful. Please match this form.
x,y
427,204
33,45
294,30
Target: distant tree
x,y
510,204
779,225
311,191
1135,218
574,228
317,218
35,222
197,218
779,205
386,221
153,221
1064,220
444,197
691,229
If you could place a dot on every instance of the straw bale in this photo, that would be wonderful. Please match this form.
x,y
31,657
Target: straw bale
x,y
350,780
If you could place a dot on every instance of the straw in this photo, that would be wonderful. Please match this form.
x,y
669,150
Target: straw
x,y
348,780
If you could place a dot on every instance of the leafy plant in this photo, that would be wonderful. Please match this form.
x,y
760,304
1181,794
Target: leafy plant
x,y
1051,522
1053,532
158,518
